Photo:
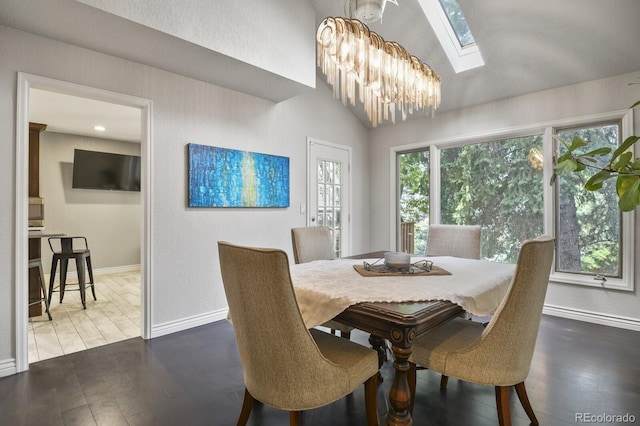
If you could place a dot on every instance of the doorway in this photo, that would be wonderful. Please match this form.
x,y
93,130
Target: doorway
x,y
328,189
26,83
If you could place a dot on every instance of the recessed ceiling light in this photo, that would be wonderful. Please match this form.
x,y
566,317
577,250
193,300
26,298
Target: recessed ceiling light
x,y
100,128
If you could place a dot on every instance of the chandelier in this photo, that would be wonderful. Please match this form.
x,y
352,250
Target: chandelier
x,y
388,77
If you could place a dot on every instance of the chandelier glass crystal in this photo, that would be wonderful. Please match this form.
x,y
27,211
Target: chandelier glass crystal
x,y
388,78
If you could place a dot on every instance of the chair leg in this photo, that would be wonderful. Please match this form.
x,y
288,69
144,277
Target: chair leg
x,y
524,400
64,263
294,418
52,278
411,379
502,402
44,290
81,280
90,270
247,403
444,380
371,400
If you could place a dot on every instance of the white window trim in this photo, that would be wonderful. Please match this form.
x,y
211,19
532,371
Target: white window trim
x,y
626,283
461,58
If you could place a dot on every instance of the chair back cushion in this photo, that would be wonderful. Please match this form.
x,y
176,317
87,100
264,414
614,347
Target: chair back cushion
x,y
282,364
454,240
312,243
502,355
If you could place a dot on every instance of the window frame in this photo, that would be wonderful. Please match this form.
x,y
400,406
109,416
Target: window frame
x,y
625,283
461,58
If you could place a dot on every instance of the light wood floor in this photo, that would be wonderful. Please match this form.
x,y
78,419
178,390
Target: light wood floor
x,y
115,316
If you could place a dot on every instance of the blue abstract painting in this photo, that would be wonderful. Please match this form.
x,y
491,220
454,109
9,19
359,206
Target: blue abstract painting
x,y
221,177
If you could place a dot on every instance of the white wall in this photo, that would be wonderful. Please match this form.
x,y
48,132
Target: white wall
x,y
610,94
110,220
215,25
185,271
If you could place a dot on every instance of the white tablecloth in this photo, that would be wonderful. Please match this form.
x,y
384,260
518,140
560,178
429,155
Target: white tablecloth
x,y
324,288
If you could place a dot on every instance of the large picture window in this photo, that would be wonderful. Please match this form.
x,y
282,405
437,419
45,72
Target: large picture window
x,y
499,186
503,184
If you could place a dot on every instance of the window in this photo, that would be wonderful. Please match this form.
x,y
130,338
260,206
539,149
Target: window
x,y
449,24
589,225
499,186
413,200
502,183
330,200
458,22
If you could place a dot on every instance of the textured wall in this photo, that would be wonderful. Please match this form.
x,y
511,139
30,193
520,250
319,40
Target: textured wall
x,y
110,220
184,264
261,33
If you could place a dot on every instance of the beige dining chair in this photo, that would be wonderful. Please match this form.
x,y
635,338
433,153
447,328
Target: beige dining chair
x,y
454,240
285,365
500,354
315,243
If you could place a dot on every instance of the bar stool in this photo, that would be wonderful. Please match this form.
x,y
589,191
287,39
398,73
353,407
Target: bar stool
x,y
81,256
37,263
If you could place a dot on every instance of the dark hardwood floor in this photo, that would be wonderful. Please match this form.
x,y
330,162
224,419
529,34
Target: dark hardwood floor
x,y
194,378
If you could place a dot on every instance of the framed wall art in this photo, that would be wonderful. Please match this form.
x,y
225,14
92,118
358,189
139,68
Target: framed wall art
x,y
222,177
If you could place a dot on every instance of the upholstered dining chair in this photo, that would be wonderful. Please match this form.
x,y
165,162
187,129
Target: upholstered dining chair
x,y
314,243
285,365
454,240
500,354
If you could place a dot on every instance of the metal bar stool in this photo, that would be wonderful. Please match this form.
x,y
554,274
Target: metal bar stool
x,y
37,263
81,256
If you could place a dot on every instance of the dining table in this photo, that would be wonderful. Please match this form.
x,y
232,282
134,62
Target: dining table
x,y
398,305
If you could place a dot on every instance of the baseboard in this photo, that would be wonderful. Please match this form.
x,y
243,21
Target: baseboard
x,y
102,271
187,323
8,367
593,317
116,269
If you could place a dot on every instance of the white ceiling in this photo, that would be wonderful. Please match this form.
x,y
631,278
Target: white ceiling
x,y
527,46
78,116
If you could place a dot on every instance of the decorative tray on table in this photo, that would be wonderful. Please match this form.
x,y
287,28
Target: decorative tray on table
x,y
395,263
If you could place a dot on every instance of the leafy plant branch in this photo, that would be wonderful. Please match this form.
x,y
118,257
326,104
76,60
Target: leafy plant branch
x,y
621,166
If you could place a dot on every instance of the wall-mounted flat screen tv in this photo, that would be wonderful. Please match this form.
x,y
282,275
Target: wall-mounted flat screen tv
x,y
105,170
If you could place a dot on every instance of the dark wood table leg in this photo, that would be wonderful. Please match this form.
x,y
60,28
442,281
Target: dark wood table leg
x,y
399,394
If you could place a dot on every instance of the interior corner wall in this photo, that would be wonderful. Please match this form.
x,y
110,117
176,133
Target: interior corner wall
x,y
594,97
185,277
110,220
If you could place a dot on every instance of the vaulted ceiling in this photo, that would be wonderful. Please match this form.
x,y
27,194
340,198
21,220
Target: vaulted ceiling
x,y
527,46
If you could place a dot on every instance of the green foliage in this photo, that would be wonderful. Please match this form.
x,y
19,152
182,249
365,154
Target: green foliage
x,y
499,185
620,166
490,184
494,185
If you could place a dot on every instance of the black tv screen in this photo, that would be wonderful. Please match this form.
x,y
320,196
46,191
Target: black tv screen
x,y
104,170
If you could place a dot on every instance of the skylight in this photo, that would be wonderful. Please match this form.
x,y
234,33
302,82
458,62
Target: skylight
x,y
458,22
448,22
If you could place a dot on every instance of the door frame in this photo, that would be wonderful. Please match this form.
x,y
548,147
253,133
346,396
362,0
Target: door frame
x,y
346,245
25,83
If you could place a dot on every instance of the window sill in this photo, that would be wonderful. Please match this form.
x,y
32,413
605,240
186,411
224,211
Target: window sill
x,y
591,281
